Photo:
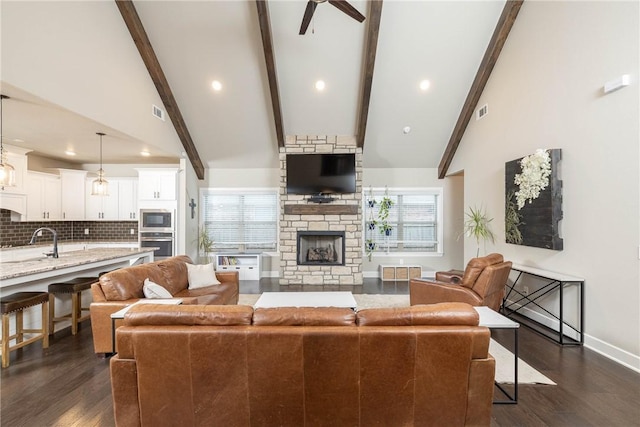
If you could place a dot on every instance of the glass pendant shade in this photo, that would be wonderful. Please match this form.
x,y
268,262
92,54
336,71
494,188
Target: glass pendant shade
x,y
100,186
7,172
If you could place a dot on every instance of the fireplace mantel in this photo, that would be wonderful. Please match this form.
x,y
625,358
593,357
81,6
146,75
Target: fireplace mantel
x,y
321,209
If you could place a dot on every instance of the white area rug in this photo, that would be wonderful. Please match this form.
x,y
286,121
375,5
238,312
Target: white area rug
x,y
504,358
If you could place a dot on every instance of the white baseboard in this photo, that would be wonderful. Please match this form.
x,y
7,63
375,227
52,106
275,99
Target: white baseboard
x,y
604,348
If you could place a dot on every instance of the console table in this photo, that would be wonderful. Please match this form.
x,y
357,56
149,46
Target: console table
x,y
555,282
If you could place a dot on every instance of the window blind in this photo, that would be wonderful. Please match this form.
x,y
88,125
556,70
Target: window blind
x,y
241,220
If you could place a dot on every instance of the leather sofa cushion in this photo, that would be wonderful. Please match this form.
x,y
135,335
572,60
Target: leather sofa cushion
x,y
304,316
174,271
448,313
188,315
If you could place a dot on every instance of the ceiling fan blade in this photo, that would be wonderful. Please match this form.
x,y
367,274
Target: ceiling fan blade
x,y
308,14
348,9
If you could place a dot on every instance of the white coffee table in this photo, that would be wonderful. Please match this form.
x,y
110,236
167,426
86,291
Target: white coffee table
x,y
494,320
306,299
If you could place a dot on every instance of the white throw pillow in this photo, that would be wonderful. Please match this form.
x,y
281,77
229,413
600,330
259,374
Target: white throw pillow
x,y
153,290
201,276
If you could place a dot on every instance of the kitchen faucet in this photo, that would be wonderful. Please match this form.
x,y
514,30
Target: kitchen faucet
x,y
55,240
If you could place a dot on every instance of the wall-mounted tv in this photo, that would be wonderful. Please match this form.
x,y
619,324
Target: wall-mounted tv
x,y
321,173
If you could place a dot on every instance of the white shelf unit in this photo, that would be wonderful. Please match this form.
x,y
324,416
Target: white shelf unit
x,y
248,266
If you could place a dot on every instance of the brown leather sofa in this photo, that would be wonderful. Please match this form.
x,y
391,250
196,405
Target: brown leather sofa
x,y
482,283
230,366
123,287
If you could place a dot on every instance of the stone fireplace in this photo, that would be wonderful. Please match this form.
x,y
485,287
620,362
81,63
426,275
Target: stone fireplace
x,y
331,232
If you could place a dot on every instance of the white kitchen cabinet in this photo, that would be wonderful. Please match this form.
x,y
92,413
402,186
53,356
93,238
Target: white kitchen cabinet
x,y
102,207
72,187
127,199
43,197
157,184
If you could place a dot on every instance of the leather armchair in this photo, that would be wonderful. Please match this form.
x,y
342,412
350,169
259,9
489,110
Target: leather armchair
x,y
482,283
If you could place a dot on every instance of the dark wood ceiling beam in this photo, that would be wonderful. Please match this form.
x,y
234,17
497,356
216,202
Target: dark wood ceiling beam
x,y
371,47
270,60
139,36
491,55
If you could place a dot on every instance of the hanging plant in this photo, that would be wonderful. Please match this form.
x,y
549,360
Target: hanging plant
x,y
369,247
383,213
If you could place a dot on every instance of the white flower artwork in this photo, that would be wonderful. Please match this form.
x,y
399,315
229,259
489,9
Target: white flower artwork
x,y
534,178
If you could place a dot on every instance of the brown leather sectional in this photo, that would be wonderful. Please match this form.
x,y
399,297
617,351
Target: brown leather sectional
x,y
123,287
426,365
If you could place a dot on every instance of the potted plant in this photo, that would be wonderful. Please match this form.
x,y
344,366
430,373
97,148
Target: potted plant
x,y
205,243
477,226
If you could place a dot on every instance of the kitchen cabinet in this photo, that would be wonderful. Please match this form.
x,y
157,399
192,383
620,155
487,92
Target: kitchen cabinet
x,y
72,183
102,207
127,199
120,205
43,197
157,184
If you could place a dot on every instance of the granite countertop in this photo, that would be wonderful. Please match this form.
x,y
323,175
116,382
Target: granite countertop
x,y
12,269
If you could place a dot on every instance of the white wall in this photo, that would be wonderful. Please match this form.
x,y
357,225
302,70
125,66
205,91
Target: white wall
x,y
546,92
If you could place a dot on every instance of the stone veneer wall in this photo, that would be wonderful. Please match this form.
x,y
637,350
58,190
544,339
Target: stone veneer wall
x,y
317,220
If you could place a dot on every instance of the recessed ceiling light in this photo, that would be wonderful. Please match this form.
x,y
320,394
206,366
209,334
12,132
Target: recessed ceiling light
x,y
145,153
216,85
320,85
70,153
424,85
406,129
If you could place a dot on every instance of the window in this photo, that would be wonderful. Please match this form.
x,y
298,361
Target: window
x,y
240,219
415,218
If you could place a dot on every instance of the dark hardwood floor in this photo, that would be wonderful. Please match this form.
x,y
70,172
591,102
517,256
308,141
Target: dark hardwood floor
x,y
67,385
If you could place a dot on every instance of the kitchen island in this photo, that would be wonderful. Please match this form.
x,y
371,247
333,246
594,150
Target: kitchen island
x,y
36,274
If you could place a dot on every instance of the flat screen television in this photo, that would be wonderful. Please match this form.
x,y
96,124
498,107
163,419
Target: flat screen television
x,y
321,173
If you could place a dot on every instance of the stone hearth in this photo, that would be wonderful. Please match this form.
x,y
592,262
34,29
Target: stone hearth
x,y
344,216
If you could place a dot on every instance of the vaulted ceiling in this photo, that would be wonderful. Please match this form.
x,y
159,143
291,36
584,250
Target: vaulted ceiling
x,y
72,69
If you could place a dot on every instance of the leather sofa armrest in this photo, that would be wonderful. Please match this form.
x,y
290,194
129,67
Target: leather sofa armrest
x,y
451,276
423,291
228,276
101,323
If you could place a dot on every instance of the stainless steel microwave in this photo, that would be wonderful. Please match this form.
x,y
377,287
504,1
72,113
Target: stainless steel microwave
x,y
156,220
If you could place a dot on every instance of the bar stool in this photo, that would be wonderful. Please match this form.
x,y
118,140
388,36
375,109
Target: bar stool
x,y
17,303
75,287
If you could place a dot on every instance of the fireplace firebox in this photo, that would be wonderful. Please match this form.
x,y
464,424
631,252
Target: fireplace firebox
x,y
320,248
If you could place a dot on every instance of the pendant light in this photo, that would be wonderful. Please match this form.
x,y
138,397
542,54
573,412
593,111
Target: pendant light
x,y
7,172
100,186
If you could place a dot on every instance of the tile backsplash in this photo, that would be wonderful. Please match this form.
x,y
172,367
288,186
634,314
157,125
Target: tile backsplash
x,y
13,233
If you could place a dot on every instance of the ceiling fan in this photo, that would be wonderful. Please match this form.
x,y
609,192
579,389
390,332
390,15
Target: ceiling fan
x,y
340,4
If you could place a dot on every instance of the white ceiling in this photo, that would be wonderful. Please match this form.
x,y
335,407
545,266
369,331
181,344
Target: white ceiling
x,y
72,69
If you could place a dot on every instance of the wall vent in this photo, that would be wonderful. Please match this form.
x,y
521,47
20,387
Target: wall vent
x,y
482,111
157,112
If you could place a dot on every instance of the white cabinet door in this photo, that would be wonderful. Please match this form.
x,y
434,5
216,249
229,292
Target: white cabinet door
x,y
72,185
43,197
102,207
157,184
128,199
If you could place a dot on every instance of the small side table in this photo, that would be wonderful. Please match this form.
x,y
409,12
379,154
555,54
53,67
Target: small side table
x,y
494,320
